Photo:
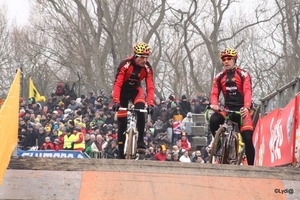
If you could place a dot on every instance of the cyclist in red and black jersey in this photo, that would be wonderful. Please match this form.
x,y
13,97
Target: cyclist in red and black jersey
x,y
131,72
235,84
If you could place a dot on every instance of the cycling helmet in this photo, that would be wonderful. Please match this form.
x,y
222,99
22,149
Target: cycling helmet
x,y
229,52
141,48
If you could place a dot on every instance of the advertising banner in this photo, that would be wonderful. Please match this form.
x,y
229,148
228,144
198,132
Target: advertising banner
x,y
52,154
276,137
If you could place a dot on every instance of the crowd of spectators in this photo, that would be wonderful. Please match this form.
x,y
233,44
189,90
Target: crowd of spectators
x,y
89,124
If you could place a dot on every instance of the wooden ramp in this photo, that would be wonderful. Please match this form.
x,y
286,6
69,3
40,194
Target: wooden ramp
x,y
48,178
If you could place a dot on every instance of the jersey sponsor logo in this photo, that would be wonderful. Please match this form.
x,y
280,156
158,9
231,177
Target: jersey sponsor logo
x,y
219,74
147,68
231,88
126,66
244,74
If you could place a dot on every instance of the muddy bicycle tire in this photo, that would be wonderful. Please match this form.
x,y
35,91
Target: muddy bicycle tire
x,y
129,145
215,143
233,149
225,149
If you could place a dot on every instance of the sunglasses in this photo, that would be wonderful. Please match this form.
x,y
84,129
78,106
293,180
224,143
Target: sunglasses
x,y
227,58
142,56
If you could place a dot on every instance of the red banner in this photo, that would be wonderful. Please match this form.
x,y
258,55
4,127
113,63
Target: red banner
x,y
297,129
256,141
275,135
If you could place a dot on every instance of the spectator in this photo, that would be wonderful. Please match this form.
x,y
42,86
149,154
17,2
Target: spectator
x,y
61,138
175,157
83,108
185,144
56,145
168,127
112,150
175,149
98,146
22,137
150,139
54,135
103,96
197,157
69,139
31,137
73,104
161,155
158,126
48,145
26,117
41,136
169,157
87,140
176,131
157,108
79,144
163,113
203,104
197,107
185,157
80,99
22,124
187,124
162,138
92,98
185,106
109,118
180,149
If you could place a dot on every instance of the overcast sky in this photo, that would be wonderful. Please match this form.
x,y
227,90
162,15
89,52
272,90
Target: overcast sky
x,y
17,10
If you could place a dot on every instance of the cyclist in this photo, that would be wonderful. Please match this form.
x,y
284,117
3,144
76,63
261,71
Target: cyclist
x,y
235,84
130,73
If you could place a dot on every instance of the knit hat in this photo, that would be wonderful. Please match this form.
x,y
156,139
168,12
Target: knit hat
x,y
183,97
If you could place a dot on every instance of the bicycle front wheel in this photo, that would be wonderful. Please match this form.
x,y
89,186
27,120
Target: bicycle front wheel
x,y
233,149
129,144
225,150
215,145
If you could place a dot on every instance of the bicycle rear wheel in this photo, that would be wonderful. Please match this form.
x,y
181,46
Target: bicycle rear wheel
x,y
129,144
215,145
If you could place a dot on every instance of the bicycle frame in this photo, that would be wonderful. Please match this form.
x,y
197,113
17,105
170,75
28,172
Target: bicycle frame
x,y
130,146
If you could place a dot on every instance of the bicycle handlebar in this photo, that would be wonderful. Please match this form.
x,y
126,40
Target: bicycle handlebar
x,y
134,110
226,110
230,111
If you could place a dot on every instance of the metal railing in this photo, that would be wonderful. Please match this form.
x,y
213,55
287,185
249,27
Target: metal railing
x,y
281,97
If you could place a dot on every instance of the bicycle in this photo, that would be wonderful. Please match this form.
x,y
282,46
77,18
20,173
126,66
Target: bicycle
x,y
130,146
225,147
